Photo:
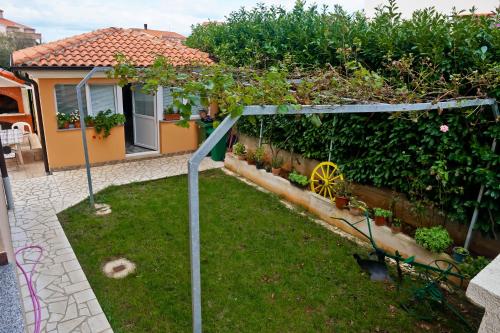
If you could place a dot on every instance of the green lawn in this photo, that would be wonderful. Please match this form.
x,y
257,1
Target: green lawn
x,y
264,267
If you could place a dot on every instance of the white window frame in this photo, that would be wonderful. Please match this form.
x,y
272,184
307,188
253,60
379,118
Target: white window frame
x,y
160,103
117,93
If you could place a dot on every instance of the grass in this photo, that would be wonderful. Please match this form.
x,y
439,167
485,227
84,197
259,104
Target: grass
x,y
264,267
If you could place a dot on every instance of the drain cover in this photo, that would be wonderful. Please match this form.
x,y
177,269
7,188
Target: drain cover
x,y
119,268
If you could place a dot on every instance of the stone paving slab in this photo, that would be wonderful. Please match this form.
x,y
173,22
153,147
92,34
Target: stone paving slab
x,y
67,299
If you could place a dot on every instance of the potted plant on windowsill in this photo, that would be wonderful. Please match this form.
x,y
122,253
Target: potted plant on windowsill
x,y
259,158
104,121
89,121
396,226
169,114
239,150
460,253
62,120
342,193
74,118
381,216
298,180
276,164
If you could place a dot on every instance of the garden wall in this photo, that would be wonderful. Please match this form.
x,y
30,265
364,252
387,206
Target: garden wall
x,y
380,197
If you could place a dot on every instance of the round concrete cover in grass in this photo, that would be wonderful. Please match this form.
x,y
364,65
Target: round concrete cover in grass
x,y
119,268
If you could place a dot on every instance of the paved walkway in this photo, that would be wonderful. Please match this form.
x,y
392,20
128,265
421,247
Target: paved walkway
x,y
68,302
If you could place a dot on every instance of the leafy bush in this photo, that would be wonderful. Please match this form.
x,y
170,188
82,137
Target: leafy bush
x,y
472,266
435,239
239,149
259,154
277,162
250,156
104,121
299,179
342,188
382,212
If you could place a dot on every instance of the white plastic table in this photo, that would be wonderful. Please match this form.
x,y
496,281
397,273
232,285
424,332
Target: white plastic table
x,y
13,137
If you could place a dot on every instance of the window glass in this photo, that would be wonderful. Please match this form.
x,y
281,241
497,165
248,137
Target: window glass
x,y
102,98
168,100
66,98
144,103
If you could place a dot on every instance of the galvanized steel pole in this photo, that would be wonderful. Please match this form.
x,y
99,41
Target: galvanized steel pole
x,y
83,127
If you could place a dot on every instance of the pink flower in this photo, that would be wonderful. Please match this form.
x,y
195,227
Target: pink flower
x,y
444,128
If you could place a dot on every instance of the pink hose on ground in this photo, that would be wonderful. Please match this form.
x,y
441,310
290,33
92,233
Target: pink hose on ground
x,y
37,310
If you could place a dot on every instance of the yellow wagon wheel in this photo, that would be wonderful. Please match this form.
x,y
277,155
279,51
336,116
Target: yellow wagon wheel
x,y
323,177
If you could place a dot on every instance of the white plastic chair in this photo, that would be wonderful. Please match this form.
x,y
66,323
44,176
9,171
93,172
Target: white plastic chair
x,y
21,125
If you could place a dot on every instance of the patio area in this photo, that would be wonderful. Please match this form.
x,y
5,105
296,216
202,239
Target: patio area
x,y
67,300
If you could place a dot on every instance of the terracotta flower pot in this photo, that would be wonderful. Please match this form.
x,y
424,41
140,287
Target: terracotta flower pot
x,y
396,229
77,124
276,171
380,220
341,202
66,124
241,157
171,117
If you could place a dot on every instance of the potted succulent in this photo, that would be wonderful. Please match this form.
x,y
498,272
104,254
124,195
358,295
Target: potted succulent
x,y
298,180
259,158
381,216
169,114
276,164
250,157
239,150
396,226
357,207
460,253
62,120
342,192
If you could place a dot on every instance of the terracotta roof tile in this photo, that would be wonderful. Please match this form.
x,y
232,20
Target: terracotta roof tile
x,y
98,48
9,75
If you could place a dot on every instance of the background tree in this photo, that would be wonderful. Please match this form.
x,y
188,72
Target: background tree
x,y
11,42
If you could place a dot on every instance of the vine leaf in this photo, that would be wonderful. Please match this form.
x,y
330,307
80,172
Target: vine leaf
x,y
282,109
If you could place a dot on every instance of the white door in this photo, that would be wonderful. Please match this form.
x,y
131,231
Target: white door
x,y
145,121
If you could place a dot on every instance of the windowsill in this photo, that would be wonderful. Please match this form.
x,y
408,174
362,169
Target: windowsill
x,y
77,128
16,114
174,121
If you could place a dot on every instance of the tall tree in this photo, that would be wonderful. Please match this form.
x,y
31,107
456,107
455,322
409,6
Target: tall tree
x,y
11,42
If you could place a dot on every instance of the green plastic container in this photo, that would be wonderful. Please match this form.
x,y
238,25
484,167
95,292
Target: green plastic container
x,y
219,151
204,130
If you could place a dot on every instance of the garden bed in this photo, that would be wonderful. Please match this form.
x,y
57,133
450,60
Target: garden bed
x,y
264,268
324,209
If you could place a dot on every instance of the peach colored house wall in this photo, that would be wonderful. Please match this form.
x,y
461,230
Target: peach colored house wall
x,y
176,139
64,147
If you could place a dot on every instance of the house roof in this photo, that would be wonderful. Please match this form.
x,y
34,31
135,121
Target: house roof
x,y
9,23
98,48
168,35
8,79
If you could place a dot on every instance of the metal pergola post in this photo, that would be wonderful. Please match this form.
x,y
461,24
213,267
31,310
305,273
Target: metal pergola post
x,y
262,110
83,126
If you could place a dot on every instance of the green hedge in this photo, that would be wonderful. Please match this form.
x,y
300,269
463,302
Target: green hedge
x,y
432,167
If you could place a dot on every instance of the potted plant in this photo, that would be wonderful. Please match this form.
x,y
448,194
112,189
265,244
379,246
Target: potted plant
x,y
62,120
104,121
89,121
169,114
251,157
381,216
259,158
239,150
435,239
342,192
276,164
460,253
357,207
298,180
396,226
74,118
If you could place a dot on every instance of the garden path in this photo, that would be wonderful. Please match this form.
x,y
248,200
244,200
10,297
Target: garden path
x,y
67,299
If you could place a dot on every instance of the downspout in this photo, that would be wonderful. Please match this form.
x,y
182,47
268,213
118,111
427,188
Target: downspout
x,y
39,120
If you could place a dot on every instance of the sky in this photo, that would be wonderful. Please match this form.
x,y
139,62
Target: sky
x,y
57,19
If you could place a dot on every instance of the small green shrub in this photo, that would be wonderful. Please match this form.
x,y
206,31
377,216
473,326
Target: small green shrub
x,y
472,266
299,179
342,188
239,149
259,154
104,121
277,162
435,239
250,156
396,222
382,212
461,250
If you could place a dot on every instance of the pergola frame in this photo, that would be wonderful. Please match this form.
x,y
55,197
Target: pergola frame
x,y
269,110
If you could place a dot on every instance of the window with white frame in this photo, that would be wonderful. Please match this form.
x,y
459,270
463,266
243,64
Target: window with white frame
x,y
168,100
96,97
66,100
